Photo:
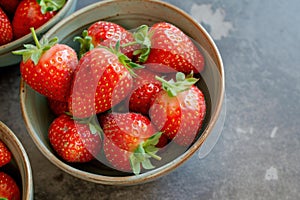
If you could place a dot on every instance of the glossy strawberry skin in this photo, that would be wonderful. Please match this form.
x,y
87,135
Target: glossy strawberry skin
x,y
172,50
123,133
8,187
145,87
28,14
72,140
6,32
179,118
108,34
5,154
53,73
100,82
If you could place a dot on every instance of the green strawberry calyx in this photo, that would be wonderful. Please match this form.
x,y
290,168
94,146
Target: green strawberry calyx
x,y
142,36
123,59
127,62
182,83
92,123
85,42
51,5
86,45
146,150
34,52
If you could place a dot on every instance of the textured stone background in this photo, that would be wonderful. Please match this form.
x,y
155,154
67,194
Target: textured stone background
x,y
257,154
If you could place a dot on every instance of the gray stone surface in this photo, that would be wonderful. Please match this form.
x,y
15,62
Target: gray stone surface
x,y
257,155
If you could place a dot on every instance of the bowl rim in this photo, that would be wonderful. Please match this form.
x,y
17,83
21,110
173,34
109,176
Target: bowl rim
x,y
27,178
149,175
20,41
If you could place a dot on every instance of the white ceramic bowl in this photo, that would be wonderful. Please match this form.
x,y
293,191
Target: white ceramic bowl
x,y
7,58
130,14
19,166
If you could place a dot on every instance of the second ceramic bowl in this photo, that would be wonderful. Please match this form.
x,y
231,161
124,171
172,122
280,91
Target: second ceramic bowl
x,y
7,58
19,168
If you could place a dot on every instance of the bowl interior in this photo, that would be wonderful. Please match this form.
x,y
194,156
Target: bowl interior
x,y
7,58
19,168
129,14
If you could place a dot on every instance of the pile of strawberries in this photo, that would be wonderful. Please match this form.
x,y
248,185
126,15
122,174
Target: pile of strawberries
x,y
18,16
8,187
123,96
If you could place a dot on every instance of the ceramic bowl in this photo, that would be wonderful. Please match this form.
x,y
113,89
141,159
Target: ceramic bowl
x,y
19,167
7,58
130,14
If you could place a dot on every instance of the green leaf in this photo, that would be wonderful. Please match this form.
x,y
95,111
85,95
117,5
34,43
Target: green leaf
x,y
135,165
143,153
85,43
153,140
51,5
124,60
182,83
35,52
142,37
92,129
180,76
147,164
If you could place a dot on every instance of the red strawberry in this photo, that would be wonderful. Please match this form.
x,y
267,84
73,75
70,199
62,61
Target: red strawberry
x,y
8,187
145,87
102,80
74,141
48,67
108,34
6,33
9,6
5,154
178,110
129,141
165,48
58,107
33,13
103,33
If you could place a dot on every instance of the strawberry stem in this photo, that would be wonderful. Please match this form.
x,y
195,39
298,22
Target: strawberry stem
x,y
35,52
35,38
153,155
85,43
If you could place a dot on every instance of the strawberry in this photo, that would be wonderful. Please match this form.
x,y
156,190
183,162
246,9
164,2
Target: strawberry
x,y
34,13
165,48
103,79
179,109
48,67
8,187
5,154
145,87
58,107
6,33
129,141
108,34
74,141
9,6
